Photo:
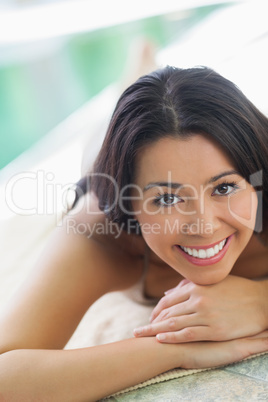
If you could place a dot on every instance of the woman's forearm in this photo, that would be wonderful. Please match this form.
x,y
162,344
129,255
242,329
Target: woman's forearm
x,y
92,373
82,374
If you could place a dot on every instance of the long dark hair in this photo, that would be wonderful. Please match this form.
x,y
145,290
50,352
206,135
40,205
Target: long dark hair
x,y
178,102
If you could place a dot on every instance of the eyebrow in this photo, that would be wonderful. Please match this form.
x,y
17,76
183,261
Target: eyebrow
x,y
175,186
223,174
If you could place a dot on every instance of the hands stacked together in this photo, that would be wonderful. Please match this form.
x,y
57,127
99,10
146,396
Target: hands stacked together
x,y
232,315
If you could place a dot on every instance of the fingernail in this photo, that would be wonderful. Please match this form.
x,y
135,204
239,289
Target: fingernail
x,y
169,291
161,337
137,331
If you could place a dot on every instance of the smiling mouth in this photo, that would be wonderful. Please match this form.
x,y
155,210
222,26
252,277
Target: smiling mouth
x,y
205,253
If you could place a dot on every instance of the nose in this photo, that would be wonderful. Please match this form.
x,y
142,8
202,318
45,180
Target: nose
x,y
204,220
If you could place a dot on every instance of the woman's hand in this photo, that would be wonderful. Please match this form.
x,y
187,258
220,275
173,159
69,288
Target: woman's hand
x,y
213,354
233,308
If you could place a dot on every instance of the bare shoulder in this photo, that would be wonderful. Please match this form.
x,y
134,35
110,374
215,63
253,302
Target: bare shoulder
x,y
115,252
76,268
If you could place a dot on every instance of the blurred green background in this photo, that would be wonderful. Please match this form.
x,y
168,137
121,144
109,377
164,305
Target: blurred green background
x,y
44,82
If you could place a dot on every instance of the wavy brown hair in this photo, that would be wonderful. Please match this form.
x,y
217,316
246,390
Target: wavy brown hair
x,y
179,103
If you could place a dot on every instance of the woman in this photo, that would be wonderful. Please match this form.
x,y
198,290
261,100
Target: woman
x,y
172,198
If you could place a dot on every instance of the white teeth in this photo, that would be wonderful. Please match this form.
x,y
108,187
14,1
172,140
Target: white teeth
x,y
195,253
202,254
221,245
208,253
189,251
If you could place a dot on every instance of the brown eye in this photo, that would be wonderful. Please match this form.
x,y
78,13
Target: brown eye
x,y
223,189
166,200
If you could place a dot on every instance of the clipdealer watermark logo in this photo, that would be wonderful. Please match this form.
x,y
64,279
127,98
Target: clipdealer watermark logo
x,y
131,226
38,193
31,193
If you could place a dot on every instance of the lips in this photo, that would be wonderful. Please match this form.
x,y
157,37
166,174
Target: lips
x,y
206,252
205,255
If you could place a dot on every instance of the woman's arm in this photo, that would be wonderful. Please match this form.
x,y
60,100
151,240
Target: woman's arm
x,y
81,374
92,373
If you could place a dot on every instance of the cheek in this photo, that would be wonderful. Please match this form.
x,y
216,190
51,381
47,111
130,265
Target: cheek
x,y
157,241
153,228
243,210
161,233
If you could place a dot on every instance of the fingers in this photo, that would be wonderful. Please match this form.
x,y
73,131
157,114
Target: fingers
x,y
178,310
186,335
177,330
171,324
172,298
182,283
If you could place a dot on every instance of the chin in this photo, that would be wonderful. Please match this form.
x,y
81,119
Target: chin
x,y
210,279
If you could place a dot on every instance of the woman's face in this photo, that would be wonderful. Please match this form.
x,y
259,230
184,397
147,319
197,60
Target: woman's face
x,y
196,212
